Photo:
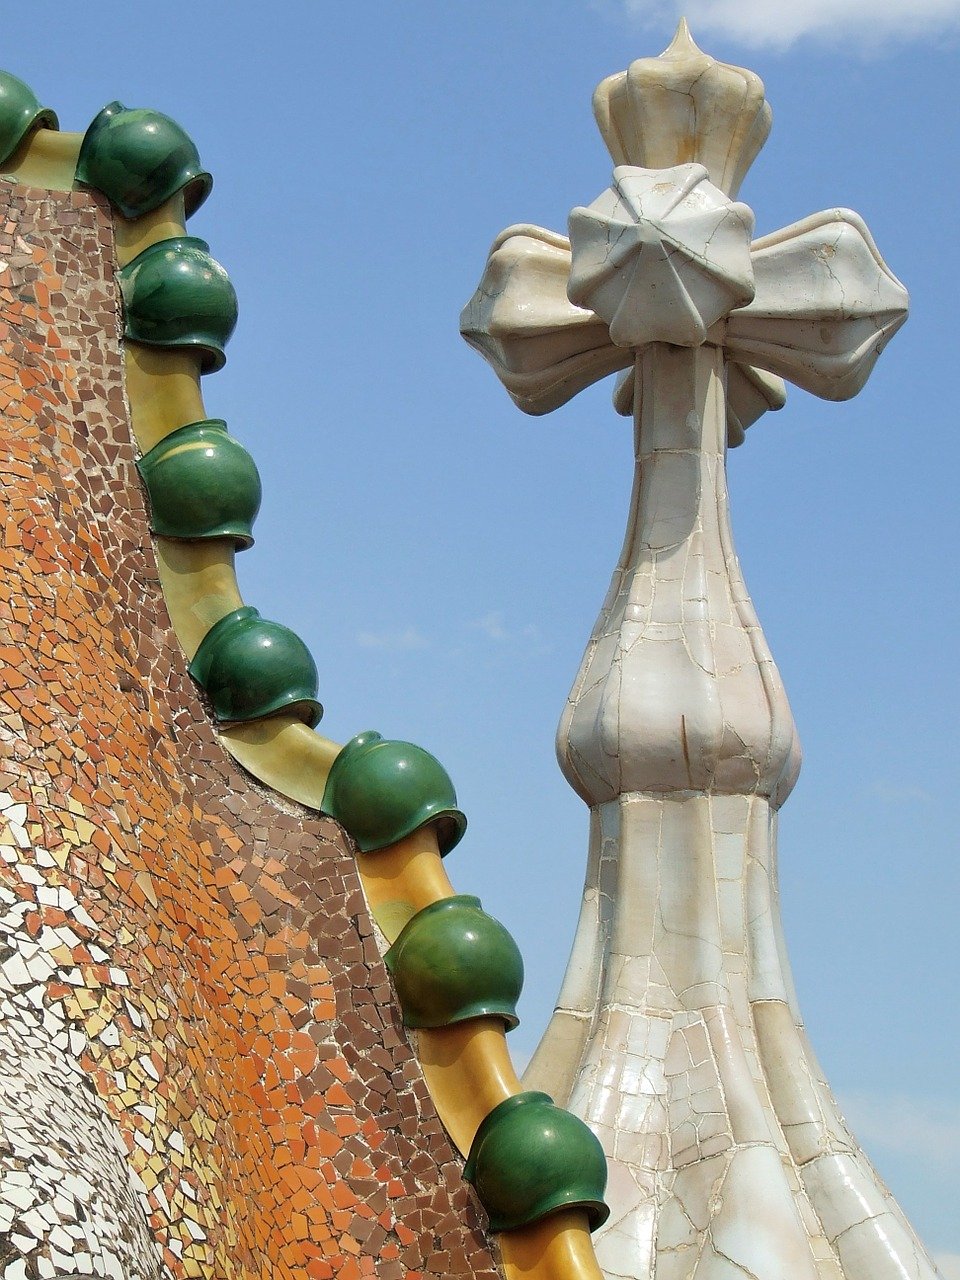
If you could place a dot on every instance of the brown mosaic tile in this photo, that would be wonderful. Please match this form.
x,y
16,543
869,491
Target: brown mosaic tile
x,y
203,1072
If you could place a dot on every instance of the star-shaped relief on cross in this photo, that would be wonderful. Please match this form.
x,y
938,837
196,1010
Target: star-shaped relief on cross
x,y
664,255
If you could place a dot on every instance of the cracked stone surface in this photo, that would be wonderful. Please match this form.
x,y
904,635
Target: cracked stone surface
x,y
677,1035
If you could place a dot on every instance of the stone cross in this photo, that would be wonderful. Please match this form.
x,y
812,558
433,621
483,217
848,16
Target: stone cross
x,y
677,1035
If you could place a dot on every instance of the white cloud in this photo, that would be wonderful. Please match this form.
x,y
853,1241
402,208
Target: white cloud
x,y
925,1129
492,626
949,1264
900,793
760,22
392,641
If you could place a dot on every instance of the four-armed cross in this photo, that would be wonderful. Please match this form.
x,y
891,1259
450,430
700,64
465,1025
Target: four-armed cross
x,y
677,1035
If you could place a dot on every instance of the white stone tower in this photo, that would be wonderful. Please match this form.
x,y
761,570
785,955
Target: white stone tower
x,y
677,1034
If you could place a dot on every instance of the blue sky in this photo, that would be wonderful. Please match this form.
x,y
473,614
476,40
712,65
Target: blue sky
x,y
444,556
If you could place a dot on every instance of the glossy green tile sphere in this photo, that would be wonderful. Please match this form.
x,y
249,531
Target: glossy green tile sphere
x,y
202,484
382,791
20,112
251,668
176,296
452,962
139,158
530,1158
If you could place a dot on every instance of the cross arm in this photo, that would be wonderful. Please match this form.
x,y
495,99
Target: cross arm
x,y
824,307
545,350
541,347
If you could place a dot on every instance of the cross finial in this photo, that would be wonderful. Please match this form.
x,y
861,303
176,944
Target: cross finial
x,y
824,302
674,1036
682,42
683,106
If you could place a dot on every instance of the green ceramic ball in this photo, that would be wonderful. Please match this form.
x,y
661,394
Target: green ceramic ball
x,y
139,158
383,791
177,297
202,484
530,1158
20,112
453,962
252,668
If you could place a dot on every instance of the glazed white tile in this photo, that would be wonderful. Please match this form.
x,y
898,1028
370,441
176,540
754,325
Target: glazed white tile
x,y
66,1187
55,1210
825,306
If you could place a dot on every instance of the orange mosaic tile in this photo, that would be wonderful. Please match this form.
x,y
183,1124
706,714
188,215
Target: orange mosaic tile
x,y
203,1073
